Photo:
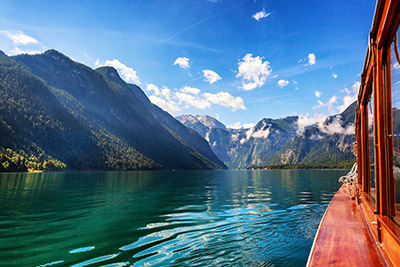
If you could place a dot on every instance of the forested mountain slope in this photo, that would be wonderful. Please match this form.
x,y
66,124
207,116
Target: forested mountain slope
x,y
53,109
281,141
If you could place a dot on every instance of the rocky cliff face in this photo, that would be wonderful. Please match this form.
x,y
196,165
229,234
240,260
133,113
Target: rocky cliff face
x,y
281,141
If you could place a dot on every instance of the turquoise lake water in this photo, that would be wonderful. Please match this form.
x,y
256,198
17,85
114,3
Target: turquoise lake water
x,y
162,218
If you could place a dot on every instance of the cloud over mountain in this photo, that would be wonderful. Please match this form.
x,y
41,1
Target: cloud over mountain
x,y
127,73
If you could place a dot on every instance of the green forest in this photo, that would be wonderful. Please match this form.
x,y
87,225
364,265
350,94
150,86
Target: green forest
x,y
11,161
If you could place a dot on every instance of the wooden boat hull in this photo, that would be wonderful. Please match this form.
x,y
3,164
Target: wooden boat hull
x,y
343,238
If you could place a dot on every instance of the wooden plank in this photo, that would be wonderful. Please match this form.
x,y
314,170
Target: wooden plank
x,y
343,238
390,239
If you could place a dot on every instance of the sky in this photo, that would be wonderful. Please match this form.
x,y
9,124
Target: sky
x,y
238,61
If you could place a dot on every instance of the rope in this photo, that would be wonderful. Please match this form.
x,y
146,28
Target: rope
x,y
351,179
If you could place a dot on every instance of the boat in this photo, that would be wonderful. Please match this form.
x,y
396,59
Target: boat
x,y
361,226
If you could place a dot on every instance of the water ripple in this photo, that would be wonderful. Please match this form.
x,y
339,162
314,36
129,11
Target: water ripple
x,y
96,260
224,218
78,250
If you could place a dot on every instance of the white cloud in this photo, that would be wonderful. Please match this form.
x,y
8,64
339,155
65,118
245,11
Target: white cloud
x,y
282,83
226,100
311,59
163,98
318,94
127,73
211,76
336,127
19,38
261,14
347,101
316,137
329,105
192,101
187,97
190,90
248,125
350,97
182,62
262,132
334,75
356,86
396,66
152,87
238,125
222,98
18,51
164,91
305,121
319,120
169,106
253,71
248,134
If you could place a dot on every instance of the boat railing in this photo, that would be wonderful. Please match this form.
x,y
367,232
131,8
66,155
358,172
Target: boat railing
x,y
351,180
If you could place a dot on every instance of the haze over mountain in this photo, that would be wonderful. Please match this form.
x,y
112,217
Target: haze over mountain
x,y
60,113
291,140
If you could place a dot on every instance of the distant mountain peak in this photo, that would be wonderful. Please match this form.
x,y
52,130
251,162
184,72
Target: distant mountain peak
x,y
288,140
2,54
207,121
55,53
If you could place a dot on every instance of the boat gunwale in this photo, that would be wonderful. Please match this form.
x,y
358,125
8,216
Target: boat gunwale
x,y
318,231
376,257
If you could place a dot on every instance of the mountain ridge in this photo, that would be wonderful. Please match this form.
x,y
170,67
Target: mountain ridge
x,y
283,141
118,127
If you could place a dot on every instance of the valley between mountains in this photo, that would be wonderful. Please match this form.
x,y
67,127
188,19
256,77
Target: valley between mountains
x,y
287,141
57,114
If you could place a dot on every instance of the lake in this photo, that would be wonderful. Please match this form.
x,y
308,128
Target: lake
x,y
158,218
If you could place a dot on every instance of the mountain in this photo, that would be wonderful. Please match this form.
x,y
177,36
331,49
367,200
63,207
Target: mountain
x,y
281,141
53,109
329,143
201,123
241,148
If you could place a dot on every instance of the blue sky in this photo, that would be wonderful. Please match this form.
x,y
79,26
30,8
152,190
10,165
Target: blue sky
x,y
239,61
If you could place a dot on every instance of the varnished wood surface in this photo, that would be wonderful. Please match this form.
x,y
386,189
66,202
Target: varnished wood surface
x,y
343,238
376,79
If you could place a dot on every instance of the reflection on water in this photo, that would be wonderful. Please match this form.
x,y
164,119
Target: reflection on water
x,y
162,218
